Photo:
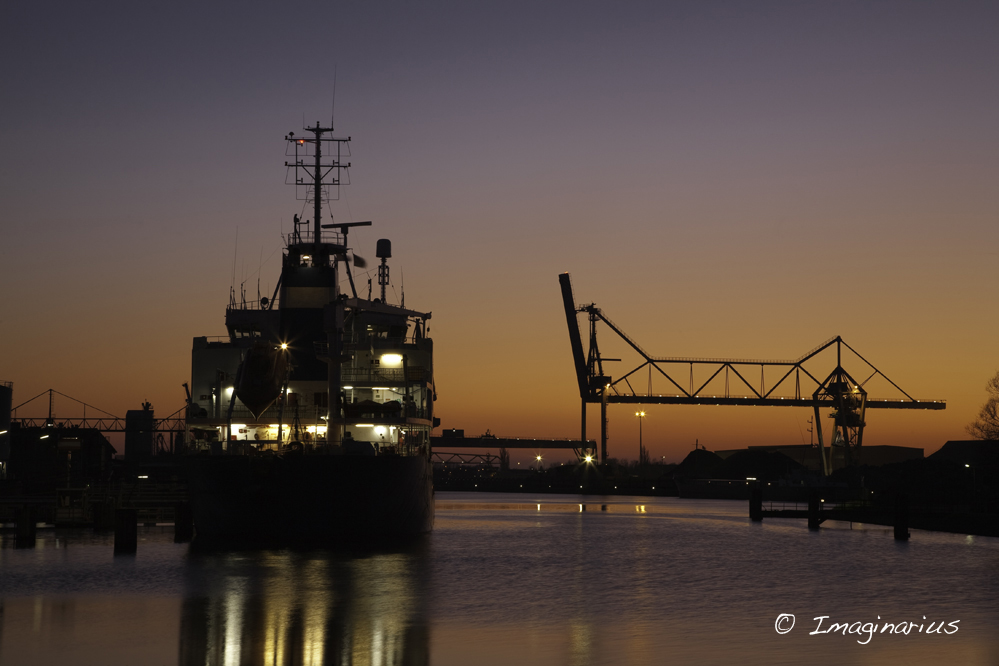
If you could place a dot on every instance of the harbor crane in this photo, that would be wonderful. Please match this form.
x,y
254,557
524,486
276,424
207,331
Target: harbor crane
x,y
794,386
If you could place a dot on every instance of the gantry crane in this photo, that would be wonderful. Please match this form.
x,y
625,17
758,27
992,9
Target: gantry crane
x,y
836,389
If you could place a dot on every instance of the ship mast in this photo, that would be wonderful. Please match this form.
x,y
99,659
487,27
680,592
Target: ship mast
x,y
320,180
317,184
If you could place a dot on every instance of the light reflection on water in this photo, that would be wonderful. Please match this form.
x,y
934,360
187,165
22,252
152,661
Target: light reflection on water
x,y
509,579
285,608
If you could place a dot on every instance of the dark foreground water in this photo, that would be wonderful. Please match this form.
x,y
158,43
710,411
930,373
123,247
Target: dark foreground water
x,y
512,579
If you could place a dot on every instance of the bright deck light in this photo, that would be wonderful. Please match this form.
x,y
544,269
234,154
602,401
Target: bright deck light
x,y
391,359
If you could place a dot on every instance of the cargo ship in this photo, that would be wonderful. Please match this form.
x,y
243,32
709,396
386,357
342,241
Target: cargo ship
x,y
310,421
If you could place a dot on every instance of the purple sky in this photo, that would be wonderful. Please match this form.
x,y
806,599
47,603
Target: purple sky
x,y
723,179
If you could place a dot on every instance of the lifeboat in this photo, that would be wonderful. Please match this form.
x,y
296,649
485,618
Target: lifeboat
x,y
261,375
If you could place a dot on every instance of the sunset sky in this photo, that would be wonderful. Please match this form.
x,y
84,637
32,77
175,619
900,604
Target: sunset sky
x,y
721,178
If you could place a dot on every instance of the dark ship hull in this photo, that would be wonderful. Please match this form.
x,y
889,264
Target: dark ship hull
x,y
327,500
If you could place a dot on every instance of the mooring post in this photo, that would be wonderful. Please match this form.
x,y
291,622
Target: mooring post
x,y
901,516
814,510
183,523
756,502
26,526
125,531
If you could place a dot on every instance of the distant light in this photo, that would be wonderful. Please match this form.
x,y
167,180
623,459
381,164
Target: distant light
x,y
44,437
348,387
588,459
364,425
3,432
750,478
538,458
307,257
144,476
6,431
284,345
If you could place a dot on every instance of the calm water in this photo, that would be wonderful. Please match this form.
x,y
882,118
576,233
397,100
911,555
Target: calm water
x,y
513,579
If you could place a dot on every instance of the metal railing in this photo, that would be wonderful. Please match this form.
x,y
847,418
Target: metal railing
x,y
304,236
253,305
384,374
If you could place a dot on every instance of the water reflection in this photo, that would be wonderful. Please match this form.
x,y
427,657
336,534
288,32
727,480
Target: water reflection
x,y
685,581
291,609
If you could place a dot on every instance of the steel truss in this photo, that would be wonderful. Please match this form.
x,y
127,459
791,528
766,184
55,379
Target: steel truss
x,y
105,422
791,384
465,459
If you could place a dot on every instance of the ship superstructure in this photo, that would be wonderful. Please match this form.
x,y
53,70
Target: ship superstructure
x,y
314,373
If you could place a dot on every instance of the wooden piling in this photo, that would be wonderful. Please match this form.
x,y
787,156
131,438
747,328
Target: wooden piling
x,y
901,517
756,502
26,527
814,511
126,530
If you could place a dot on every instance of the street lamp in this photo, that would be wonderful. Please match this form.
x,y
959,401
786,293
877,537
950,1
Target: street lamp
x,y
641,448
